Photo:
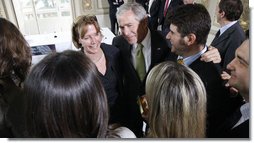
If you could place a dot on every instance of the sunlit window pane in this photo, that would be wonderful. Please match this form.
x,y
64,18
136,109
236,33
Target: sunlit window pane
x,y
43,16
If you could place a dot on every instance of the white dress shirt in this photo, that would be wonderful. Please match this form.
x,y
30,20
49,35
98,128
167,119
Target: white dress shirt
x,y
146,51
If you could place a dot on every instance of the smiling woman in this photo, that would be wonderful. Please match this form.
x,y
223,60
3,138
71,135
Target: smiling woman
x,y
86,35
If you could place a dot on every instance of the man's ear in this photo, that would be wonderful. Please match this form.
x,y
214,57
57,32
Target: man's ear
x,y
221,13
190,39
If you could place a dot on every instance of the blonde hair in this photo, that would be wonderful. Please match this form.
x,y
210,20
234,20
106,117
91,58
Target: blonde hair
x,y
177,102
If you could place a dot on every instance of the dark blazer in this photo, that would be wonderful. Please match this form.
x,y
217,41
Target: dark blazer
x,y
241,131
220,104
226,130
133,87
171,8
228,42
154,14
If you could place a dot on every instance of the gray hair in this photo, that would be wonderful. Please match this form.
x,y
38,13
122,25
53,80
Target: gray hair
x,y
136,8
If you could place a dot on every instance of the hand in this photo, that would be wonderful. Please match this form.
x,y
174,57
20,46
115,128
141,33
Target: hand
x,y
143,106
211,55
226,76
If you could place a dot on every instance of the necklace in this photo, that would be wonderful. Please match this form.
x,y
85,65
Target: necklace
x,y
98,59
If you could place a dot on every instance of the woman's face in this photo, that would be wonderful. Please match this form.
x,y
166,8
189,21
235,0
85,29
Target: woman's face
x,y
92,40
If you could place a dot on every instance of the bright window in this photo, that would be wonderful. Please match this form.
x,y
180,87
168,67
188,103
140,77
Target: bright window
x,y
43,16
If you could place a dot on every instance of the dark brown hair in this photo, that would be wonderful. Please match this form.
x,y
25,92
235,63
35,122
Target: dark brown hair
x,y
65,98
233,9
15,53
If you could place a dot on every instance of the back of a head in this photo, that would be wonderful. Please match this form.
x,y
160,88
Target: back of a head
x,y
15,54
177,102
233,9
65,98
192,18
136,8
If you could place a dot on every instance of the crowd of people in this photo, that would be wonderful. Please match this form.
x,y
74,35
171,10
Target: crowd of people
x,y
147,84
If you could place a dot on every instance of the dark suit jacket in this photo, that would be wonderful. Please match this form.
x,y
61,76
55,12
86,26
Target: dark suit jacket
x,y
228,42
154,14
226,130
220,104
133,87
241,131
171,8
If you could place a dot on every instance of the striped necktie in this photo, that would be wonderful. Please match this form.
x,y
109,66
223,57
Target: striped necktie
x,y
140,62
165,8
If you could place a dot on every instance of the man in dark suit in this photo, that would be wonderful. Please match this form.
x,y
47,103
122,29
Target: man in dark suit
x,y
230,35
153,11
133,24
188,41
113,5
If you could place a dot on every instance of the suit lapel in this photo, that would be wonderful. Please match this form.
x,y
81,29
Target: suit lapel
x,y
224,36
156,50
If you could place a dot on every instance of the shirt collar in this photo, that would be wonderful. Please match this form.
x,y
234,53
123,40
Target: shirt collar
x,y
225,27
189,60
245,111
146,42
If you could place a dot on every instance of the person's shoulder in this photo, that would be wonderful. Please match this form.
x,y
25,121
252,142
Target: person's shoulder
x,y
109,48
119,38
155,34
121,132
120,42
124,132
208,67
158,39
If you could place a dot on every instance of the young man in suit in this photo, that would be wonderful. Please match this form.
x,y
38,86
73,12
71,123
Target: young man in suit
x,y
189,30
230,35
133,24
